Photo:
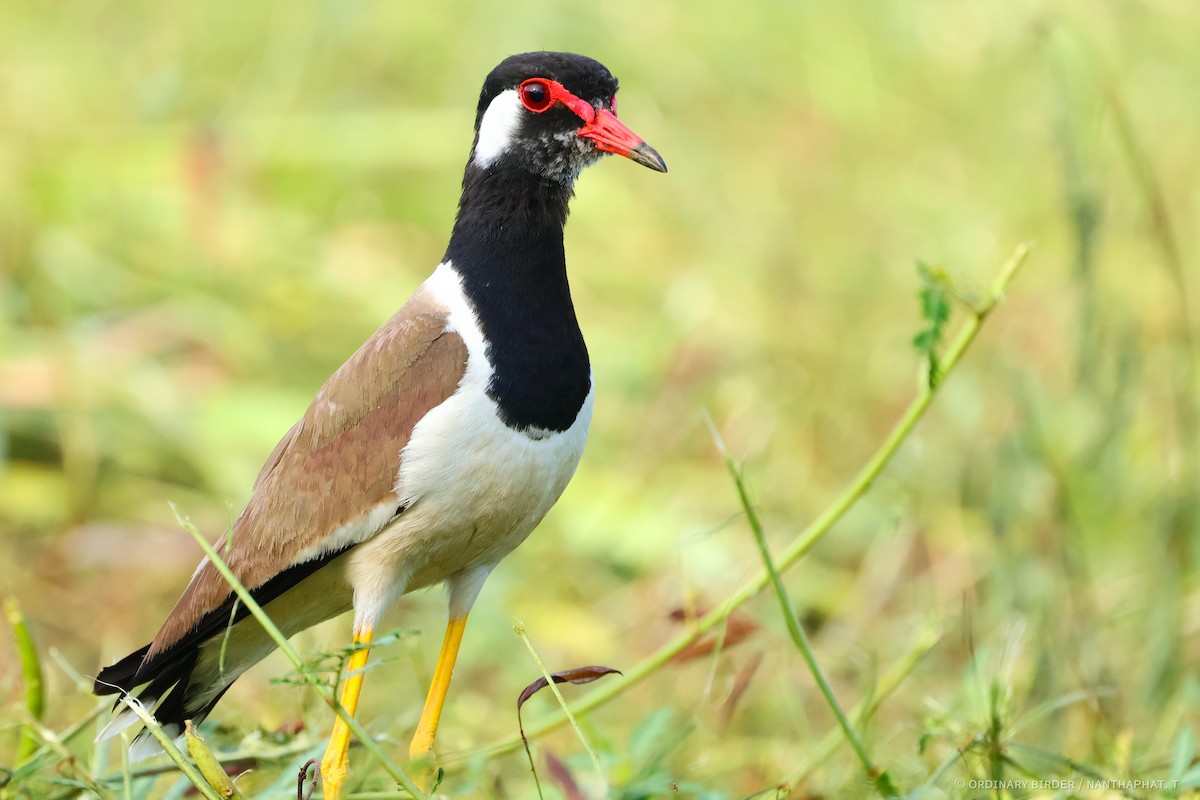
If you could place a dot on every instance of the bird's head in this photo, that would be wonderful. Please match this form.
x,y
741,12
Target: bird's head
x,y
553,114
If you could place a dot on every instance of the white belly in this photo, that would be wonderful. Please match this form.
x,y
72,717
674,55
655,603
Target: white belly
x,y
473,487
476,487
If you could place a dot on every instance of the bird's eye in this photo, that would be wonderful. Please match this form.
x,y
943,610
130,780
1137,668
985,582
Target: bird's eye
x,y
535,95
612,104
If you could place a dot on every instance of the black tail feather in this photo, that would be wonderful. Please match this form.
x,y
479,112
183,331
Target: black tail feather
x,y
120,677
168,673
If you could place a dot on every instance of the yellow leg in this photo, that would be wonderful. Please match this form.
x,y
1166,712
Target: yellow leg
x,y
422,743
336,762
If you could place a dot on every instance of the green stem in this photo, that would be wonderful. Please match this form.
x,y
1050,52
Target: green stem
x,y
31,674
1186,509
880,777
31,765
67,764
520,631
286,648
890,681
168,746
794,551
127,782
277,755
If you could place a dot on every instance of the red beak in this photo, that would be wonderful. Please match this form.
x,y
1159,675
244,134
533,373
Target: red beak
x,y
613,136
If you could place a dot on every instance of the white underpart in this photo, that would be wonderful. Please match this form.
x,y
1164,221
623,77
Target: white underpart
x,y
473,487
353,532
498,127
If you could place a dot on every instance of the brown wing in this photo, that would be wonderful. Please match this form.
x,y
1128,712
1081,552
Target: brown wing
x,y
338,462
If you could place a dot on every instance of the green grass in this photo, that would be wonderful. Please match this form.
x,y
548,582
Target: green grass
x,y
205,208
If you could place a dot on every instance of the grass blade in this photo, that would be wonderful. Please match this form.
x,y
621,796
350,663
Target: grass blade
x,y
189,771
31,674
553,684
880,777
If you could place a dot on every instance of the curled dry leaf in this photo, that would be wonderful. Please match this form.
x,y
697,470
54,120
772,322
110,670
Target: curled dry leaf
x,y
577,675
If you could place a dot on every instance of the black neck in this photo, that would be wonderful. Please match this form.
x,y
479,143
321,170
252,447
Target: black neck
x,y
500,202
507,245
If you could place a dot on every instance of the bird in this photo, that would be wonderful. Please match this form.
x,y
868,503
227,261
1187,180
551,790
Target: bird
x,y
436,448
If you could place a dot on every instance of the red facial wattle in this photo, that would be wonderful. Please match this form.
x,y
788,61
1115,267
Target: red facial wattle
x,y
601,125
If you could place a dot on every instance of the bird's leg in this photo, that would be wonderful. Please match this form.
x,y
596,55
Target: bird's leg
x,y
336,762
422,742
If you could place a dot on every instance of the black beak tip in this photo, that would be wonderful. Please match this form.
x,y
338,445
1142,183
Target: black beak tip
x,y
647,156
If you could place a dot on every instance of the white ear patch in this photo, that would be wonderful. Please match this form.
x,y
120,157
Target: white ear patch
x,y
497,127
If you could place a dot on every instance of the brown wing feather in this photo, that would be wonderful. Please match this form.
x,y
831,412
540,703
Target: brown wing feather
x,y
339,461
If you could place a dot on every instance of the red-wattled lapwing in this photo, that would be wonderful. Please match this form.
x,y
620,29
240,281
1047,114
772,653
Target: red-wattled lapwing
x,y
439,445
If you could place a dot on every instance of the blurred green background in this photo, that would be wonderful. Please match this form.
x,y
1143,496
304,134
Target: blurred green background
x,y
205,207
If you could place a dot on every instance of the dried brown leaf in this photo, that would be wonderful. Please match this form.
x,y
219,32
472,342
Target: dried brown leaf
x,y
562,776
577,675
741,683
737,628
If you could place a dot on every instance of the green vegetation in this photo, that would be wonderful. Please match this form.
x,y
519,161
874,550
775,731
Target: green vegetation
x,y
988,553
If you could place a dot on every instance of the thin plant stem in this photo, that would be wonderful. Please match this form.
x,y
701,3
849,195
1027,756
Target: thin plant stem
x,y
67,761
1187,511
126,775
60,741
880,777
168,746
286,648
228,757
562,702
798,548
891,680
1187,385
